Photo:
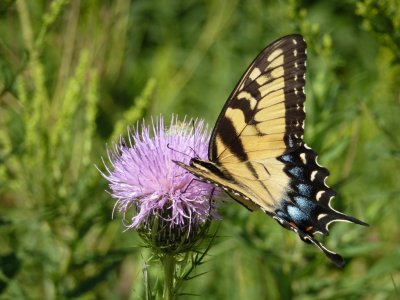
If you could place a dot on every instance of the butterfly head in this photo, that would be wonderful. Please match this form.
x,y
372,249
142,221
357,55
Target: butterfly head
x,y
199,163
202,168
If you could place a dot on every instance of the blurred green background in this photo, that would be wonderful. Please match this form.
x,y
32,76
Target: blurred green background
x,y
75,74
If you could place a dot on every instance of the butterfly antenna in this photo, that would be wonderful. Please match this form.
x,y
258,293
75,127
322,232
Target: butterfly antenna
x,y
180,152
194,152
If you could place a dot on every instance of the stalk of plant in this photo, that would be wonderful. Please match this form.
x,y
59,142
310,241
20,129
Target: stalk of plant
x,y
169,208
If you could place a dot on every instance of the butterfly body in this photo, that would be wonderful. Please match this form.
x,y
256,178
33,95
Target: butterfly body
x,y
257,153
212,173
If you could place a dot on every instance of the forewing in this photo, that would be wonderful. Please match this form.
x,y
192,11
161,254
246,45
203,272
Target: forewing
x,y
264,115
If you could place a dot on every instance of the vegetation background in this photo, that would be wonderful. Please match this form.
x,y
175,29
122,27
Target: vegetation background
x,y
74,74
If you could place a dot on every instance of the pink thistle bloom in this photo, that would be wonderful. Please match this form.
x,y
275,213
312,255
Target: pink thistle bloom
x,y
143,177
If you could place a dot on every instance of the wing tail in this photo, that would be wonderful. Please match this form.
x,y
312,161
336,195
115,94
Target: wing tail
x,y
335,258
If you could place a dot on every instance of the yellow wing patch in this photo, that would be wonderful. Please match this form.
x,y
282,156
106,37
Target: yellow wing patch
x,y
274,55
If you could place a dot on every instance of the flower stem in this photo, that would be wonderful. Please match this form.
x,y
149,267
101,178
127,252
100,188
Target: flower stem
x,y
169,271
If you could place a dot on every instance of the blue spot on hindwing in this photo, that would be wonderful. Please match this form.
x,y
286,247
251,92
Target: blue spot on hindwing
x,y
281,214
287,158
297,172
304,189
290,140
305,204
296,214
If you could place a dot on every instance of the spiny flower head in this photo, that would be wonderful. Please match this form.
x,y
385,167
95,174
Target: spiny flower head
x,y
168,206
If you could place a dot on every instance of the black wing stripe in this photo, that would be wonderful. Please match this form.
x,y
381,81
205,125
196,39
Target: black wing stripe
x,y
226,137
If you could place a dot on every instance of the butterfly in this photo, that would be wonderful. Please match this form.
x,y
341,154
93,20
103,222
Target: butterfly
x,y
257,153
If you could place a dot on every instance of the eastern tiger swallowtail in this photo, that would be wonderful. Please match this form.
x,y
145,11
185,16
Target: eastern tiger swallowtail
x,y
257,154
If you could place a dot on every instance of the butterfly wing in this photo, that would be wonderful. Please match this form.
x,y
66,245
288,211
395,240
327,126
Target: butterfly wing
x,y
257,143
263,119
264,115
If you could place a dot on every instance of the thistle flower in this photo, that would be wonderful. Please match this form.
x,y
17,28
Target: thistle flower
x,y
168,207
